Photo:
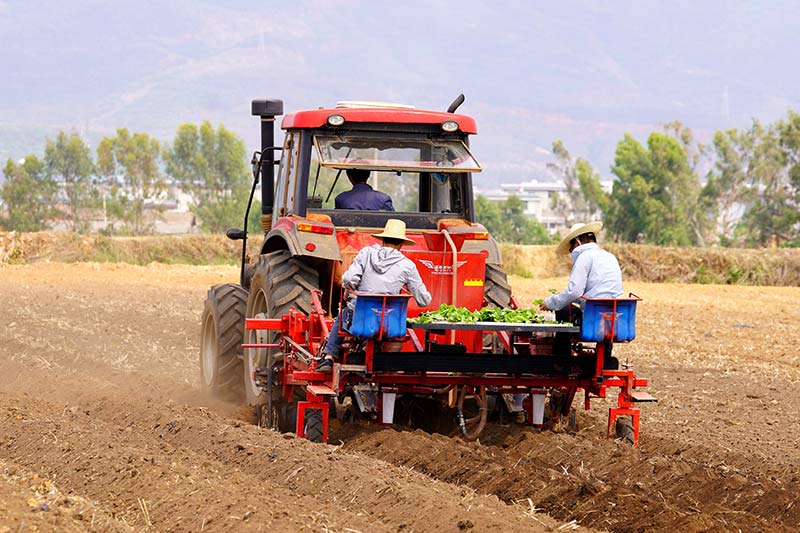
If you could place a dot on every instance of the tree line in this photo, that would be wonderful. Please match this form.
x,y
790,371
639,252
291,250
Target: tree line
x,y
749,195
741,190
125,181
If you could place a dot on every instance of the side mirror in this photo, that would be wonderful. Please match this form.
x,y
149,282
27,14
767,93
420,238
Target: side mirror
x,y
236,234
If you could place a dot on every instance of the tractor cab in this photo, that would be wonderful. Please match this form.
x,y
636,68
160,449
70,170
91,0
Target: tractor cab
x,y
420,159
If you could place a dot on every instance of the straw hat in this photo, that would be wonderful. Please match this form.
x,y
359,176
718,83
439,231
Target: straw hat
x,y
575,231
394,229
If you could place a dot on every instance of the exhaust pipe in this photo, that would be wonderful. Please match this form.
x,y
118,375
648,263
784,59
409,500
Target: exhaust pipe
x,y
267,110
456,103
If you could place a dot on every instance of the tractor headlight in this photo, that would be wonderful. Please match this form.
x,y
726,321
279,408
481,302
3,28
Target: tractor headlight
x,y
450,126
335,120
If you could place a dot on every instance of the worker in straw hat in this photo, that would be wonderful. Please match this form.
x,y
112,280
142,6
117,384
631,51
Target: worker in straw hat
x,y
595,274
377,269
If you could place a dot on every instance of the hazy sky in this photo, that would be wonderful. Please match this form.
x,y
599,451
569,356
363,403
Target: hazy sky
x,y
584,72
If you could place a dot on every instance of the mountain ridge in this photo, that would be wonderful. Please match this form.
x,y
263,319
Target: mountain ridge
x,y
583,72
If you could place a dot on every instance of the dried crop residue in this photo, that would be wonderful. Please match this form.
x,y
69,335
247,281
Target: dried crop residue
x,y
643,262
640,262
98,379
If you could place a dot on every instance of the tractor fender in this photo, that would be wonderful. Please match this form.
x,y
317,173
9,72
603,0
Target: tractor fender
x,y
489,246
302,243
486,246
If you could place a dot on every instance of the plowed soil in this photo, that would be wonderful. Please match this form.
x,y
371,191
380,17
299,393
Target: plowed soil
x,y
103,426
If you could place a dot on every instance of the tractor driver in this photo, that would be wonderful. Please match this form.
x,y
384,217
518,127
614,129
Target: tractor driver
x,y
595,274
362,196
377,269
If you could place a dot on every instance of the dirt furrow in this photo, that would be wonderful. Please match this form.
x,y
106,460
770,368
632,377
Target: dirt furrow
x,y
98,398
598,482
185,469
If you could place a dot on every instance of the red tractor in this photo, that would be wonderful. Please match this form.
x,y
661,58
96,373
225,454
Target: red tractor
x,y
288,293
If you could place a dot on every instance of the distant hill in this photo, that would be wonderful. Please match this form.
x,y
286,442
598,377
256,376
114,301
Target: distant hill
x,y
584,72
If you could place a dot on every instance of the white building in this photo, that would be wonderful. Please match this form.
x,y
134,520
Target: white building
x,y
538,198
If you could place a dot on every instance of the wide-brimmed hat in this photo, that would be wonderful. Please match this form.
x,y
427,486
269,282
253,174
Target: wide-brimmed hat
x,y
575,231
394,229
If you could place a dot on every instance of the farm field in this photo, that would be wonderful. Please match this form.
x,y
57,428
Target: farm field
x,y
103,426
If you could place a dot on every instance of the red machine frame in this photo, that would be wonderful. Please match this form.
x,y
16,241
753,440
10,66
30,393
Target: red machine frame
x,y
301,337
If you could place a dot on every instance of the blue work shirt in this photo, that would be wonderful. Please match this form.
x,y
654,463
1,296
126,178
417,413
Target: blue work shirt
x,y
364,198
595,274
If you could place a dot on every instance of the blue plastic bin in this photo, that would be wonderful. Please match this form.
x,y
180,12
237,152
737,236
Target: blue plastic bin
x,y
604,316
379,315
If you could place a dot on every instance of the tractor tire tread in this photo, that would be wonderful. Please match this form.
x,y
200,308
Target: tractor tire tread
x,y
497,290
624,430
229,302
285,282
313,425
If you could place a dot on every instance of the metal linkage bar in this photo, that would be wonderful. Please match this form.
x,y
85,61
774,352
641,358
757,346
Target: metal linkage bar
x,y
482,363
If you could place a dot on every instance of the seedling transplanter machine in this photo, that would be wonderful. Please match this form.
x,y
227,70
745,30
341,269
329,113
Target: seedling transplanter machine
x,y
261,337
385,357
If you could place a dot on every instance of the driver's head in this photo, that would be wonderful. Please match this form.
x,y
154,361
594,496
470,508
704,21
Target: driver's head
x,y
357,175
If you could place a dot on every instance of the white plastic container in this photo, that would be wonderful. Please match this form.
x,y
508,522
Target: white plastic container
x,y
538,408
387,408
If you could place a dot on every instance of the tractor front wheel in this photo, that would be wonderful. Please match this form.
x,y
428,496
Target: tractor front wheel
x,y
496,293
221,340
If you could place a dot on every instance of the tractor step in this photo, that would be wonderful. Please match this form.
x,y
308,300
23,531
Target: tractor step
x,y
353,368
641,396
321,390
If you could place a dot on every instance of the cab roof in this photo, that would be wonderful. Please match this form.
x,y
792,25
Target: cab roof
x,y
375,113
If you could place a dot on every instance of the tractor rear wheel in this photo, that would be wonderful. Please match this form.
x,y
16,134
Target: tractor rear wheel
x,y
221,340
497,293
279,283
496,289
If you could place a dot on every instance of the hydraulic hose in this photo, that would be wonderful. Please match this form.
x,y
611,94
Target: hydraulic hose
x,y
480,418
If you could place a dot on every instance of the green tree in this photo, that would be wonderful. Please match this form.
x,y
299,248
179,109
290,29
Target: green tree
x,y
211,168
656,197
789,131
734,182
584,198
68,160
756,182
129,164
702,209
488,214
772,213
506,221
29,195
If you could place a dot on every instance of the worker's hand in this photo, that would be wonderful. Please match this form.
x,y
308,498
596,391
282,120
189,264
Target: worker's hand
x,y
543,307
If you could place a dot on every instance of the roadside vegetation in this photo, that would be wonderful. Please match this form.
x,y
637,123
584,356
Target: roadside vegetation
x,y
129,182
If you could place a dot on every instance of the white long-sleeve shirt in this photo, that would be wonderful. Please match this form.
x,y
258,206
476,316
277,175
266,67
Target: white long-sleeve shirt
x,y
595,274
